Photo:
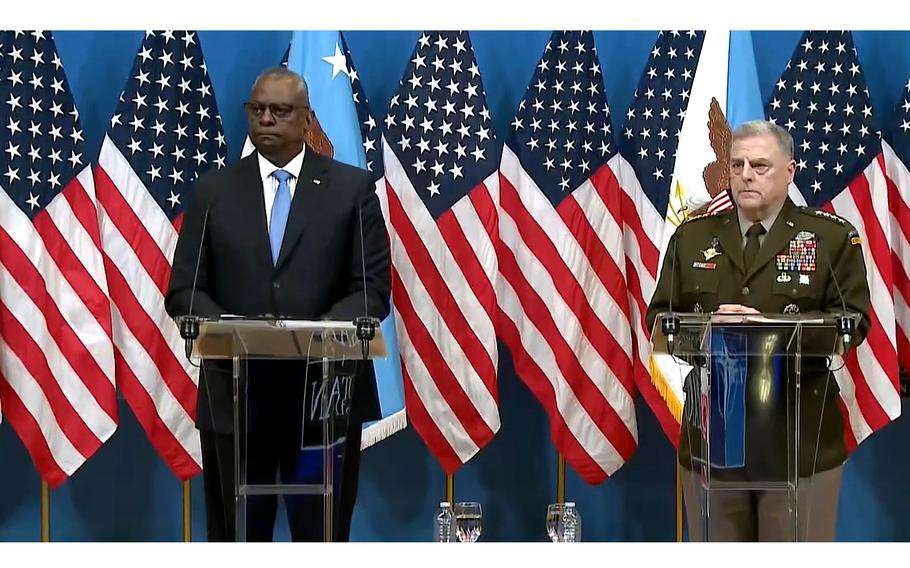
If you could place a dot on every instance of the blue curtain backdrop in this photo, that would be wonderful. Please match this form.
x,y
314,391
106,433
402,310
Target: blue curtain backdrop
x,y
126,493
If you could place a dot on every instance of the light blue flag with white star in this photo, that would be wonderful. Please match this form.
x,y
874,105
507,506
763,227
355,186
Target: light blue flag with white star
x,y
743,94
320,56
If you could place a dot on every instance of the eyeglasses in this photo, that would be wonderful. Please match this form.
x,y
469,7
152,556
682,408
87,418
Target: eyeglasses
x,y
277,111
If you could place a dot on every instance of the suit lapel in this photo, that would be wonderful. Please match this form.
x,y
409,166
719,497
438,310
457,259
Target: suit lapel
x,y
781,233
730,238
311,189
250,204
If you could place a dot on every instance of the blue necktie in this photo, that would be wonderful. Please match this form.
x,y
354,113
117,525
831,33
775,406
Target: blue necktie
x,y
281,208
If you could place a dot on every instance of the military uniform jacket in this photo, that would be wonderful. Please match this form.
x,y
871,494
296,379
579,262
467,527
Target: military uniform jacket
x,y
791,274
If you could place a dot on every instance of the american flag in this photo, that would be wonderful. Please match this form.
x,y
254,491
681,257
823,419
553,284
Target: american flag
x,y
442,186
165,133
648,145
56,354
388,372
821,99
564,311
896,153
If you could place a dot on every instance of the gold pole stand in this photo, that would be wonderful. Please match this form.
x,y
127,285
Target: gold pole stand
x,y
187,518
45,512
679,505
561,480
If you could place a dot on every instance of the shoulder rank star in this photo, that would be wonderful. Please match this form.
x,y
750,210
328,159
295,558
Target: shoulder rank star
x,y
826,215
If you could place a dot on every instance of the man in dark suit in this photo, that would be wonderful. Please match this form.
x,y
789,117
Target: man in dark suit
x,y
767,255
290,233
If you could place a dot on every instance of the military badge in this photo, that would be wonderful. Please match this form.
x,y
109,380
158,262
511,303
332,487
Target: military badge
x,y
713,250
855,241
804,236
804,279
791,309
704,265
783,278
697,308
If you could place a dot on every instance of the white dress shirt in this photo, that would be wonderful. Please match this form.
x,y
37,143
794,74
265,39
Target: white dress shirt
x,y
270,183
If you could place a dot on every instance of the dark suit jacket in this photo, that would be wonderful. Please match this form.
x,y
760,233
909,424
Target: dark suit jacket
x,y
319,274
771,287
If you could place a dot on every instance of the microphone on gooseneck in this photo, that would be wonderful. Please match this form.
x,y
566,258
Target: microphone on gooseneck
x,y
846,326
189,325
669,323
366,325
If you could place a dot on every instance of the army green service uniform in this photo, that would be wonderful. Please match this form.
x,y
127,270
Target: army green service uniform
x,y
789,274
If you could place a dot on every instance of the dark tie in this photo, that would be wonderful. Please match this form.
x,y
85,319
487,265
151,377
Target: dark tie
x,y
752,244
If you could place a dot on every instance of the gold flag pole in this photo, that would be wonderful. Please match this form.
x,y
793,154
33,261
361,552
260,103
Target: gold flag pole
x,y
450,488
45,512
187,527
679,505
561,480
679,213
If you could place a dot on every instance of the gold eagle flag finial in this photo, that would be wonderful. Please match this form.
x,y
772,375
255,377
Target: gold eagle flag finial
x,y
717,174
316,139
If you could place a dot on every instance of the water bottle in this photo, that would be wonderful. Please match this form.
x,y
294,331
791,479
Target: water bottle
x,y
444,528
571,524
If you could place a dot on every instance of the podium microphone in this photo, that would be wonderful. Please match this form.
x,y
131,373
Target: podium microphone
x,y
189,324
846,325
366,325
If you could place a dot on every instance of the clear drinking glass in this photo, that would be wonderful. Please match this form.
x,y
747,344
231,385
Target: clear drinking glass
x,y
468,521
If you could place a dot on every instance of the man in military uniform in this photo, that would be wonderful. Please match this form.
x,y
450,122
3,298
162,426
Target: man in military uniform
x,y
768,255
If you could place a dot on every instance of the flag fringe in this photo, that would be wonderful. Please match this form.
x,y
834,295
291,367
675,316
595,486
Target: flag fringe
x,y
666,392
384,428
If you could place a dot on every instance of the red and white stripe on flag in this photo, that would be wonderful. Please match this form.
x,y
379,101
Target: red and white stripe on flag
x,y
564,314
152,371
869,380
